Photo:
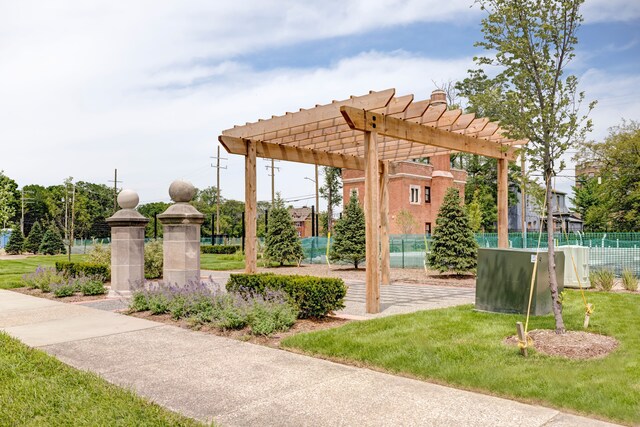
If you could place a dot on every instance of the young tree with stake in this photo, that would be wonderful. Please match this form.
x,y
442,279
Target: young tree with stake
x,y
533,41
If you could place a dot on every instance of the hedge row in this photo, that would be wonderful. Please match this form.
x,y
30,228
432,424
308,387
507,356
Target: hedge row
x,y
220,249
73,269
314,296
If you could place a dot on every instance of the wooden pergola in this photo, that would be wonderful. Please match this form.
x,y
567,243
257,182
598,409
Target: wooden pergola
x,y
369,133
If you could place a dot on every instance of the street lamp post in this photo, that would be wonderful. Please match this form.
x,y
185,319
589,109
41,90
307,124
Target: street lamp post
x,y
315,220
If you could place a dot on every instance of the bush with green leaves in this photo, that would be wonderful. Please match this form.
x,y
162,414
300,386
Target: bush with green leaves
x,y
153,259
91,286
282,244
43,278
16,242
219,249
52,243
205,303
100,254
349,239
629,280
602,279
270,314
312,296
65,289
75,269
454,245
34,239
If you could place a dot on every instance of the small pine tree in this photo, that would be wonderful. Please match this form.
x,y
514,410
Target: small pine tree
x,y
282,243
349,242
52,243
16,242
454,245
32,244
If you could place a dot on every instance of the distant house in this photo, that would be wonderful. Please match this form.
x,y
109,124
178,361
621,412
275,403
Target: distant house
x,y
302,220
564,220
417,188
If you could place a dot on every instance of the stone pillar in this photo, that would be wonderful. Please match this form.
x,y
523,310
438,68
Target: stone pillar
x,y
181,236
127,245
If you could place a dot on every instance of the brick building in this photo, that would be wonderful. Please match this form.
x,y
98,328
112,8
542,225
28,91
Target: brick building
x,y
302,220
418,188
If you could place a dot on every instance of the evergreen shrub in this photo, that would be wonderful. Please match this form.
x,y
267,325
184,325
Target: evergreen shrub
x,y
313,296
282,244
16,242
34,240
219,249
52,243
454,245
75,269
349,243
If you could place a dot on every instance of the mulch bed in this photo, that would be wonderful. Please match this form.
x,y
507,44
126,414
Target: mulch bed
x,y
49,295
301,325
572,344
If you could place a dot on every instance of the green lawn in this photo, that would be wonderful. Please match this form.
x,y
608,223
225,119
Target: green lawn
x,y
11,271
38,390
463,348
221,262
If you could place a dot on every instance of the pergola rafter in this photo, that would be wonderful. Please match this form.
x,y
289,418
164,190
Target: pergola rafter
x,y
369,133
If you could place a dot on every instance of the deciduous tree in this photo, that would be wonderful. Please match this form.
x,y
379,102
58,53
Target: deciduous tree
x,y
531,42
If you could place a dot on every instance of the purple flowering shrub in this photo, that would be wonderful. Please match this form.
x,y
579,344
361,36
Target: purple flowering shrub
x,y
43,278
207,303
62,285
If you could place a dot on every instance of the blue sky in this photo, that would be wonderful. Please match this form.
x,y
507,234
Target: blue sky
x,y
146,87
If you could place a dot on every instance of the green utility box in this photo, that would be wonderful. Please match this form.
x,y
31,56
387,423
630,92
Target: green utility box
x,y
504,280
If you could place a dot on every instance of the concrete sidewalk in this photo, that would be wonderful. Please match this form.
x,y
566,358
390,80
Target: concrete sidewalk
x,y
235,383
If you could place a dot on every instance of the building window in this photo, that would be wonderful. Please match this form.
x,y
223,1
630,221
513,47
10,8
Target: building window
x,y
427,228
414,194
427,194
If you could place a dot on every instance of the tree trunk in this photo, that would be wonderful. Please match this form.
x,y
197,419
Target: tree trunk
x,y
553,282
329,209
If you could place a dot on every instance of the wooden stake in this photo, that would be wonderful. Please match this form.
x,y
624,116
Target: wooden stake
x,y
587,316
522,338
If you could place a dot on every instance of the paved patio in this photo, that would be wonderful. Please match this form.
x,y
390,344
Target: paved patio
x,y
397,298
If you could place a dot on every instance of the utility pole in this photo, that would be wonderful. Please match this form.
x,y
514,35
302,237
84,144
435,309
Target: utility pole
x,y
115,190
218,167
273,182
23,200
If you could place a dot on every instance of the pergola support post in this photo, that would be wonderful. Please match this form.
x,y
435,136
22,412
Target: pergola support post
x,y
503,196
372,215
385,261
250,206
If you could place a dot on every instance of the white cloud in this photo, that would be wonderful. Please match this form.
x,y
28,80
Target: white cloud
x,y
610,10
147,86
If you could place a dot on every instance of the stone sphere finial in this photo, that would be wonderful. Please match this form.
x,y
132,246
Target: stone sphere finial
x,y
128,199
181,191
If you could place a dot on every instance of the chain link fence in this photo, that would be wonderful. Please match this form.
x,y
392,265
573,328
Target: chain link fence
x,y
612,251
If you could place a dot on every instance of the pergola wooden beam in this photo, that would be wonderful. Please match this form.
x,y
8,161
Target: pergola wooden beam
x,y
235,145
368,133
409,131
